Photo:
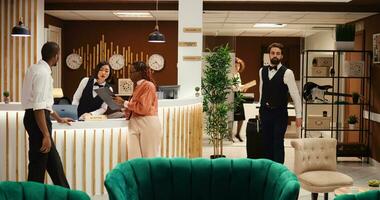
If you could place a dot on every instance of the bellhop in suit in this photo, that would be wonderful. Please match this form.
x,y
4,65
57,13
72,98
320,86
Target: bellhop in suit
x,y
276,81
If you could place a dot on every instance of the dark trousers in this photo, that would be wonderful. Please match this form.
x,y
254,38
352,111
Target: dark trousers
x,y
274,123
40,162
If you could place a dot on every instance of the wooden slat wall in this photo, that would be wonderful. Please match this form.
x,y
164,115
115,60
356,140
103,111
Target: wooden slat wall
x,y
16,53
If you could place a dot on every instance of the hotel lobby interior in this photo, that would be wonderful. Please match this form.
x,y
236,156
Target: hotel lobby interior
x,y
326,155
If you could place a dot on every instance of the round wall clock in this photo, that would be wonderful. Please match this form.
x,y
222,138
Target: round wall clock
x,y
117,61
156,62
74,61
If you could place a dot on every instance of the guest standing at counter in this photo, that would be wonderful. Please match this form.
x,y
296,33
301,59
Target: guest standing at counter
x,y
89,103
144,125
37,100
276,81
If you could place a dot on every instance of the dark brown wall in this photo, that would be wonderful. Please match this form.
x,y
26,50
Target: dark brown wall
x,y
123,33
250,50
371,26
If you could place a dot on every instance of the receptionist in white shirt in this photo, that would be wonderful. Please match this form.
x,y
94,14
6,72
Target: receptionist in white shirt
x,y
89,103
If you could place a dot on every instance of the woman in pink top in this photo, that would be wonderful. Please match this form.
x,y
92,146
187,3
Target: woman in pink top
x,y
144,126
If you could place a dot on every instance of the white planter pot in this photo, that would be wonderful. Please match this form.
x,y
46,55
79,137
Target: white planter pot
x,y
351,126
344,45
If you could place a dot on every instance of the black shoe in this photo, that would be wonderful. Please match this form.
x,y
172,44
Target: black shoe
x,y
239,138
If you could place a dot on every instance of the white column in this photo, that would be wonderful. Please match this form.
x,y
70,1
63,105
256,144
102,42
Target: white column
x,y
40,27
189,33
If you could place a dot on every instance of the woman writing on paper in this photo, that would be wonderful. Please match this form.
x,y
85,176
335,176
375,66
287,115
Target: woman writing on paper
x,y
89,103
144,125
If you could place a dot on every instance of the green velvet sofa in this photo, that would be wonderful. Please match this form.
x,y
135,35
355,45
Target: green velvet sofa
x,y
201,179
369,195
38,191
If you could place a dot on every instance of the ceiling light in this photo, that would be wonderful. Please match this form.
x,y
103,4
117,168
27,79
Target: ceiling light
x,y
133,14
156,36
20,30
266,25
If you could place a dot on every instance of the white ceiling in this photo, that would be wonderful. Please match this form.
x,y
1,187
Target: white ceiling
x,y
236,23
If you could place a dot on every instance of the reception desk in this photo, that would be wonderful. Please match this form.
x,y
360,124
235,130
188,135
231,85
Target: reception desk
x,y
90,149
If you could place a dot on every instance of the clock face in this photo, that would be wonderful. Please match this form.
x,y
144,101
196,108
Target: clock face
x,y
74,61
156,62
117,62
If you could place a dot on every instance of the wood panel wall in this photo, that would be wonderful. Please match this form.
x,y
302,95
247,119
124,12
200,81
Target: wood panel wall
x,y
16,53
371,26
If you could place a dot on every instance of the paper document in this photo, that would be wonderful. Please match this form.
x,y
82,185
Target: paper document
x,y
106,94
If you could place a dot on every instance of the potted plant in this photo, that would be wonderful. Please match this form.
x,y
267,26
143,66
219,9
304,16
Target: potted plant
x,y
355,97
197,91
344,36
6,96
352,120
217,84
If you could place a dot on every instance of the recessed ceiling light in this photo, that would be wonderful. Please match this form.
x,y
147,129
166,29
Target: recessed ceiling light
x,y
132,14
266,25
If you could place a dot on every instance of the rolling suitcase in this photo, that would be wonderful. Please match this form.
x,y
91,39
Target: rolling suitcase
x,y
254,139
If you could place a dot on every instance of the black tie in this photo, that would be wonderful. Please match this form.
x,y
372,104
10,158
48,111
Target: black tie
x,y
97,84
272,68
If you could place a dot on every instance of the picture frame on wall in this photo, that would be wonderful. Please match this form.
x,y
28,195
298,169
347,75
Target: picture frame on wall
x,y
376,48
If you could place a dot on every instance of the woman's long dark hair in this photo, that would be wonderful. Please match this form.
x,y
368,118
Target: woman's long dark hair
x,y
145,71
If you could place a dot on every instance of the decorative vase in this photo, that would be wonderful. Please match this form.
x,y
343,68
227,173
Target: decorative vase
x,y
355,99
6,100
351,126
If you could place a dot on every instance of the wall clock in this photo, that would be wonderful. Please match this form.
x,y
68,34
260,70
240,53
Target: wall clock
x,y
117,61
156,62
74,61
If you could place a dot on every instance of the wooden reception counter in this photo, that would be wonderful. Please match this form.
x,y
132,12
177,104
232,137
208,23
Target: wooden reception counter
x,y
90,149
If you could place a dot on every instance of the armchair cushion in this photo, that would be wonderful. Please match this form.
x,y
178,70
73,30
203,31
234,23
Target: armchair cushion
x,y
322,181
369,195
38,191
182,178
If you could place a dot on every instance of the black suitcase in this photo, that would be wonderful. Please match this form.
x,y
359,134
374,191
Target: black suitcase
x,y
254,139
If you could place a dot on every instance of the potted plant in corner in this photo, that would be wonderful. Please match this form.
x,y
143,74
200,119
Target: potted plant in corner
x,y
6,96
217,84
344,36
352,120
197,91
355,97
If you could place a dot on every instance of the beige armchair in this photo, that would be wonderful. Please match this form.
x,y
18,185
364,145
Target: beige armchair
x,y
315,166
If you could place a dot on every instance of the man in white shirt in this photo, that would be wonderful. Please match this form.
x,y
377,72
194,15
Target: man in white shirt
x,y
37,100
276,82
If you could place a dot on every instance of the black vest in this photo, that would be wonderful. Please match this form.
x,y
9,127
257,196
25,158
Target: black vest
x,y
87,103
274,91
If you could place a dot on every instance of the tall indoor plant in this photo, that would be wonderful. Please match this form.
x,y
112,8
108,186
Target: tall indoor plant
x,y
217,84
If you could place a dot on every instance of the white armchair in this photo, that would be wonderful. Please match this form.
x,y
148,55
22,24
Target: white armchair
x,y
315,166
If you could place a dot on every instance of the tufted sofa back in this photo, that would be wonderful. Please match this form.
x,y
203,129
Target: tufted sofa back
x,y
37,191
201,179
369,195
313,154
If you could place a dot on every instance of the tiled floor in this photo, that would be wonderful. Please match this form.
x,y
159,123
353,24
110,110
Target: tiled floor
x,y
361,172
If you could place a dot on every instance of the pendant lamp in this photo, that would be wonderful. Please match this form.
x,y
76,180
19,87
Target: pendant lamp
x,y
20,30
156,36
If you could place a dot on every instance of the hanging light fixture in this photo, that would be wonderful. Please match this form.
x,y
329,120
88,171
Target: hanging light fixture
x,y
156,36
20,30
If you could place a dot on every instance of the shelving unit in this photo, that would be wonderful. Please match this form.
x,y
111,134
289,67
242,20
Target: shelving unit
x,y
351,142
